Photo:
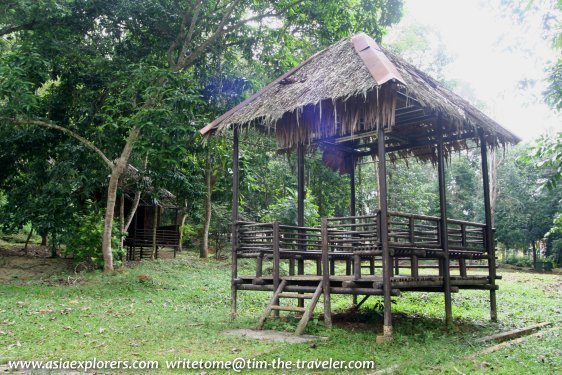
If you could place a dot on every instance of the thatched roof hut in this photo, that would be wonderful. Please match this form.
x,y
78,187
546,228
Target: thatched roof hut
x,y
339,97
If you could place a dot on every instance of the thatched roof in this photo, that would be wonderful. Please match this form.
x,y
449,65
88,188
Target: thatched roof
x,y
339,97
133,177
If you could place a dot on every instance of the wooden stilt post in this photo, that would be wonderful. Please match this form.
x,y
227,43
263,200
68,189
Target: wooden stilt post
x,y
490,246
326,274
444,238
276,263
135,237
154,229
383,225
353,212
300,207
235,203
353,198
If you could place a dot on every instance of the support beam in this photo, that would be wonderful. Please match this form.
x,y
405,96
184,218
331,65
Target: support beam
x,y
383,220
489,242
443,232
352,212
235,203
300,206
416,144
326,273
352,197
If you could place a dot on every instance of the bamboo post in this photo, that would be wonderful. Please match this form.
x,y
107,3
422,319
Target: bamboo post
x,y
235,203
414,265
462,267
383,225
300,208
154,229
353,213
259,265
133,247
443,224
489,240
276,262
326,274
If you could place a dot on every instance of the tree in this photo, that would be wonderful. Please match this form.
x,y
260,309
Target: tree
x,y
112,80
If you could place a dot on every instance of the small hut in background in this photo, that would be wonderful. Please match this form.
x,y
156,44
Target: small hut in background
x,y
155,224
355,100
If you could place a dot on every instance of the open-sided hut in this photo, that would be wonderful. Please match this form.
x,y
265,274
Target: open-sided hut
x,y
155,223
351,100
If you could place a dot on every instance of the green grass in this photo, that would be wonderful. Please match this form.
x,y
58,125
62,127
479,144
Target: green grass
x,y
165,310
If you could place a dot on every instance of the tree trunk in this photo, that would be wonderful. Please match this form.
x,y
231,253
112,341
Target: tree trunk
x,y
182,223
54,246
44,240
204,251
27,240
116,172
136,200
108,222
534,245
122,220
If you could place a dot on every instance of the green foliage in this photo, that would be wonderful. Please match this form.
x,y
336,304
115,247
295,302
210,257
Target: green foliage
x,y
547,156
553,92
285,210
84,237
519,261
524,213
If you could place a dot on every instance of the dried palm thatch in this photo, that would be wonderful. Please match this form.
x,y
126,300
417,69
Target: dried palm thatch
x,y
134,180
344,93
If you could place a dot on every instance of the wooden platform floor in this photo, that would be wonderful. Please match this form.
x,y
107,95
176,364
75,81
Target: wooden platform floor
x,y
365,278
367,284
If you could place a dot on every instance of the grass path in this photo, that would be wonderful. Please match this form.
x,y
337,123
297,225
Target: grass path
x,y
172,309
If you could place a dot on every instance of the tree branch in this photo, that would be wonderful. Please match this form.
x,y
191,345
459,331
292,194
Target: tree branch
x,y
70,133
13,29
136,200
221,30
186,60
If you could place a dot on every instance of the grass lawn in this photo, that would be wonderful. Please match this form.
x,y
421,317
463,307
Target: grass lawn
x,y
170,309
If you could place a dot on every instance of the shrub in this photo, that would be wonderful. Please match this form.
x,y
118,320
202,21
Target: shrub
x,y
84,239
519,261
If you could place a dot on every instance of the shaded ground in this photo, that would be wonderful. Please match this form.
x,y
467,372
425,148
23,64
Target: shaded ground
x,y
37,265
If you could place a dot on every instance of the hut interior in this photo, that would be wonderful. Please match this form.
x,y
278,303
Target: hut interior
x,y
353,100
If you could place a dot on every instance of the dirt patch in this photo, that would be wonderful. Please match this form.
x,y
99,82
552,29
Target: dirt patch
x,y
273,336
33,251
20,269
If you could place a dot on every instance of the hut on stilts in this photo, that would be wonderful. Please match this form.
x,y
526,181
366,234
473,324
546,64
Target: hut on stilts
x,y
354,100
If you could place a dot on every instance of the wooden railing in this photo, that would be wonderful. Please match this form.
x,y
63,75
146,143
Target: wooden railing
x,y
259,237
360,235
353,233
413,230
423,232
144,237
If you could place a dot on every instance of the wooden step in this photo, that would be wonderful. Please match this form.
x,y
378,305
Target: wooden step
x,y
288,308
295,295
